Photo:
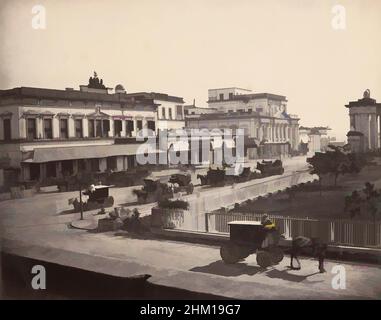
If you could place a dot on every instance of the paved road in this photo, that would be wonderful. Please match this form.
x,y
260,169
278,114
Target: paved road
x,y
187,266
36,228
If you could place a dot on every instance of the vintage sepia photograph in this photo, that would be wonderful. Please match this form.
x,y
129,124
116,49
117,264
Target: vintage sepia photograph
x,y
190,150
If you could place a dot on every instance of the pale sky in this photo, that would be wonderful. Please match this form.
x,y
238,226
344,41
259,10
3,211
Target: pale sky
x,y
183,47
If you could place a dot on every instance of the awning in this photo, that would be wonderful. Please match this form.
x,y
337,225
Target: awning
x,y
41,155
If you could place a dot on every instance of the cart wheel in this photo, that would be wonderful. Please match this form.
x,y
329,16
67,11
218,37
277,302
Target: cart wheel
x,y
264,259
190,188
276,255
243,253
229,254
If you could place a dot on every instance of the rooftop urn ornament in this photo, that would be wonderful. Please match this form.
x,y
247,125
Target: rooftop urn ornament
x,y
95,82
366,94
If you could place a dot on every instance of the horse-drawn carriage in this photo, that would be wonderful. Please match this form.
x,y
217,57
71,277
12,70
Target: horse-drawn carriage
x,y
152,191
214,177
270,168
98,197
181,183
248,237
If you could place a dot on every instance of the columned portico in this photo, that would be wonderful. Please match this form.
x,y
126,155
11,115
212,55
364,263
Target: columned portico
x,y
365,120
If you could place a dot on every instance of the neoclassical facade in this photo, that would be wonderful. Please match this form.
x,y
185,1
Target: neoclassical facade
x,y
262,116
365,124
46,133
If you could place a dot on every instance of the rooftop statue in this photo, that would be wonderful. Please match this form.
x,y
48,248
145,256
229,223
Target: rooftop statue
x,y
95,82
366,94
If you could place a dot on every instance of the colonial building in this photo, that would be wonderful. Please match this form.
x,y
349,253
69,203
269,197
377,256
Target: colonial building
x,y
170,109
313,139
263,117
365,124
50,133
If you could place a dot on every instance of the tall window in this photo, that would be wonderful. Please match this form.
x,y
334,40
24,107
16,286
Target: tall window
x,y
7,129
91,128
117,128
78,128
139,125
163,113
31,129
231,95
221,96
98,128
48,129
63,129
105,127
170,113
151,125
111,163
129,127
179,112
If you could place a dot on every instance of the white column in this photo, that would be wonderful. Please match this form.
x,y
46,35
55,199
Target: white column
x,y
85,127
123,133
56,127
39,129
111,132
70,126
373,131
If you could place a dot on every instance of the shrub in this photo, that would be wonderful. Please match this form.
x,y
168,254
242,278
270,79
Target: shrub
x,y
173,204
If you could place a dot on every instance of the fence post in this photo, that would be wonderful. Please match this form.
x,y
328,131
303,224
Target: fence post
x,y
206,222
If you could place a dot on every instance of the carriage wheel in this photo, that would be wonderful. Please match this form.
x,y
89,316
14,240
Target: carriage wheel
x,y
276,255
243,252
229,254
264,259
190,188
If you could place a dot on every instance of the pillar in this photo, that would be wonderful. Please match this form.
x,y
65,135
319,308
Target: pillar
x,y
102,164
55,128
111,132
373,131
39,129
85,127
70,127
124,126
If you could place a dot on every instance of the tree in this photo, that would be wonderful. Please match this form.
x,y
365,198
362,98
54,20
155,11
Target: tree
x,y
365,202
320,165
336,161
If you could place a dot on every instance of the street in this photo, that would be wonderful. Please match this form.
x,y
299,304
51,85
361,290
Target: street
x,y
37,228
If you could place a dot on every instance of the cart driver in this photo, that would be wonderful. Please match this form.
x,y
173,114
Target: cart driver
x,y
267,223
269,228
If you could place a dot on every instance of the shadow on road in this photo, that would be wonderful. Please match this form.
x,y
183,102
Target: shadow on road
x,y
220,268
285,275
